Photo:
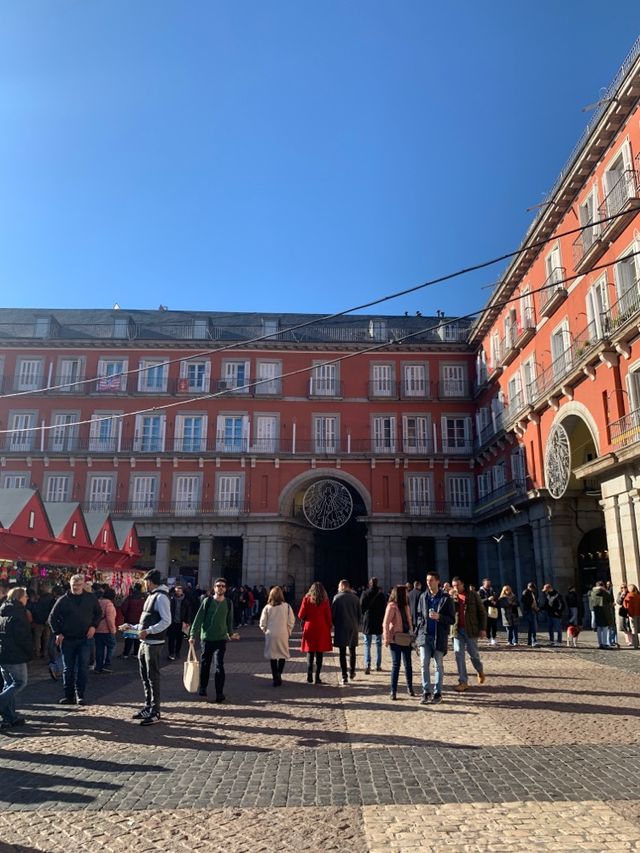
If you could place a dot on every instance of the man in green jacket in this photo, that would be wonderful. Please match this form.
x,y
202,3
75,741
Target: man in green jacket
x,y
213,626
471,623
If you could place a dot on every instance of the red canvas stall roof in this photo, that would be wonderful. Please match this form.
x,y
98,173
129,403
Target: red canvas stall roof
x,y
70,528
25,530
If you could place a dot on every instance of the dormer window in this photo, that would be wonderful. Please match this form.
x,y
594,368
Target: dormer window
x,y
45,327
378,330
123,327
201,329
270,326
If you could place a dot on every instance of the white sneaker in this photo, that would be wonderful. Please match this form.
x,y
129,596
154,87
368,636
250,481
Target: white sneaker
x,y
493,641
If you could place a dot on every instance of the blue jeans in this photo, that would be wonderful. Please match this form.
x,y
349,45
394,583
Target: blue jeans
x,y
75,657
367,650
555,627
428,652
613,635
603,636
462,644
105,644
512,634
15,676
573,615
532,626
400,653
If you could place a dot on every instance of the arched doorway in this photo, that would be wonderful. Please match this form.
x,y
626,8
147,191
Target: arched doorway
x,y
593,559
331,507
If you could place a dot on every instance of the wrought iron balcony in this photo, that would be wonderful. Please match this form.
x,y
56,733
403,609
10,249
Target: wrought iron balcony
x,y
526,328
324,387
383,389
438,509
588,247
498,498
553,292
623,315
566,366
195,507
455,389
623,202
516,405
625,431
415,389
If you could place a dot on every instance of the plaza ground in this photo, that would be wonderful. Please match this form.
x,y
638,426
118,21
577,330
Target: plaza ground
x,y
543,755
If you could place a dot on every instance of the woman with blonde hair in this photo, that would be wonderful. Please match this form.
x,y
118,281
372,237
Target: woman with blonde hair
x,y
315,614
276,623
508,603
397,621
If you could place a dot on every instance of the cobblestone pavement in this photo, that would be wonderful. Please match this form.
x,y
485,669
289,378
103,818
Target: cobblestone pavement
x,y
545,753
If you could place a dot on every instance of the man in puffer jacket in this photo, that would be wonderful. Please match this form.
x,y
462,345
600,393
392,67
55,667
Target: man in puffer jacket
x,y
16,649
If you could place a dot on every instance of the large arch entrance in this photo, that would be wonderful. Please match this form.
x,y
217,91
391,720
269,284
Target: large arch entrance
x,y
593,559
330,507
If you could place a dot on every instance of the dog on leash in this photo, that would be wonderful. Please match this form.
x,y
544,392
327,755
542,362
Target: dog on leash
x,y
573,631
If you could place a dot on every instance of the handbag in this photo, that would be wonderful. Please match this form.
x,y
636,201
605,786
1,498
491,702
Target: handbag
x,y
404,638
492,612
191,673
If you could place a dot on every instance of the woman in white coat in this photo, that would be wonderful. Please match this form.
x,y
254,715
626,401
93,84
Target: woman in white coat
x,y
276,622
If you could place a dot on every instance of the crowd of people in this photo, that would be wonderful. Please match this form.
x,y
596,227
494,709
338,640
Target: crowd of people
x,y
76,629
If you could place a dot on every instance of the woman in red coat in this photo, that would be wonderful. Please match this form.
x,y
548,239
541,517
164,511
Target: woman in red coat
x,y
315,614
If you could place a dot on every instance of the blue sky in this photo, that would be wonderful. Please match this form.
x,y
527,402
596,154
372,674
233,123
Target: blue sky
x,y
283,156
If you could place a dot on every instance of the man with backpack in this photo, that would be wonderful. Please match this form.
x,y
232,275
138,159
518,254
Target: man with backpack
x,y
213,626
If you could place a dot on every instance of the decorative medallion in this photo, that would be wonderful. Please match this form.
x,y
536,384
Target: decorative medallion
x,y
557,461
327,504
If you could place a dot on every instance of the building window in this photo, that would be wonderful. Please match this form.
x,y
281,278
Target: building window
x,y
378,330
384,434
626,274
63,436
152,377
190,436
229,494
518,466
459,495
498,475
187,494
268,377
194,377
561,349
235,376
266,434
597,308
111,375
414,380
232,433
619,182
58,488
484,485
149,434
103,432
453,380
100,493
144,494
416,434
418,494
456,435
325,434
324,381
29,374
382,380
70,374
22,433
15,481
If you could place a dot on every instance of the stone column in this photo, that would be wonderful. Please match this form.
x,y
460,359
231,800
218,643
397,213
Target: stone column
x,y
162,554
538,554
615,547
253,561
442,557
629,567
204,562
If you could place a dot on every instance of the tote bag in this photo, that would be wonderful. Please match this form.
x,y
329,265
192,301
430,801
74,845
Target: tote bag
x,y
191,674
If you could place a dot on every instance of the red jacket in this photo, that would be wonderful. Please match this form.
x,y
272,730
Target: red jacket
x,y
316,632
632,603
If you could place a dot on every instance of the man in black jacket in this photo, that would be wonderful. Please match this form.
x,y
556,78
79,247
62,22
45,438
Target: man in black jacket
x,y
436,615
346,615
15,651
180,615
372,604
40,610
74,619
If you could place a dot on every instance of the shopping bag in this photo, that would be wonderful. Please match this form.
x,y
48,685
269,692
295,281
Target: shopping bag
x,y
191,674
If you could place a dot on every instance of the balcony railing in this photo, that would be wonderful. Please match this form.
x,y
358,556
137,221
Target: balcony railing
x,y
553,291
383,389
455,389
567,363
516,404
431,509
585,241
416,389
623,311
324,387
504,494
624,190
140,509
625,431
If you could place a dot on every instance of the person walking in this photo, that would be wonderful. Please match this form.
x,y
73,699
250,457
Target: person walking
x,y
397,621
74,619
530,610
471,623
554,608
105,635
315,615
601,604
571,600
40,630
372,606
131,613
346,616
152,630
508,603
213,626
180,620
489,598
631,604
16,649
276,623
436,615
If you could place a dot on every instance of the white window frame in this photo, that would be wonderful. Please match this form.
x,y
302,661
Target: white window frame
x,y
183,442
23,431
483,484
268,377
152,378
419,494
417,437
229,493
561,360
112,375
453,379
187,493
382,382
415,380
195,377
29,374
64,433
70,374
103,432
58,488
145,443
384,433
236,375
459,494
18,480
518,465
100,491
324,380
462,438
326,433
144,493
266,432
238,440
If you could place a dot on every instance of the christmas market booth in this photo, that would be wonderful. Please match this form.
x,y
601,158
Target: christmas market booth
x,y
49,542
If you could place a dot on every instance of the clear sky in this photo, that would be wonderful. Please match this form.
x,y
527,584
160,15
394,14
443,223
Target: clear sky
x,y
287,155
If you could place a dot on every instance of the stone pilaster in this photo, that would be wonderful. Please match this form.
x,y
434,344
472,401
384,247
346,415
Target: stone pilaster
x,y
162,554
204,562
